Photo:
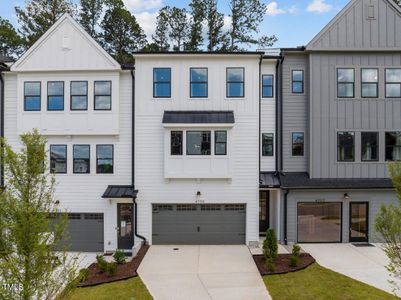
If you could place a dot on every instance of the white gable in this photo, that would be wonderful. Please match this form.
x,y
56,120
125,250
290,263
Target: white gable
x,y
65,46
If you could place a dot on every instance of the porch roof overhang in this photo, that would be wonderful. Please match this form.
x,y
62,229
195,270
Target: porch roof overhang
x,y
269,180
120,192
198,118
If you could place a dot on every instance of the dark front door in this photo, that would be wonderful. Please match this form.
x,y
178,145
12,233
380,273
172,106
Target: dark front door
x,y
264,201
125,218
359,222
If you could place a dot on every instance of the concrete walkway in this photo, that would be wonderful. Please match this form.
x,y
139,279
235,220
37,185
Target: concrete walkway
x,y
202,272
366,264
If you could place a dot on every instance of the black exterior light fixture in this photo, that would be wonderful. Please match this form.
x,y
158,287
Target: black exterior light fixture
x,y
346,196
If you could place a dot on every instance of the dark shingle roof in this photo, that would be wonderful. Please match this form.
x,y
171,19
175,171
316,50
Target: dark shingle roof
x,y
269,180
198,117
120,191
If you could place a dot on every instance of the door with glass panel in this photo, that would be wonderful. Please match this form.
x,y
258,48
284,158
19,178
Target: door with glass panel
x,y
263,211
359,222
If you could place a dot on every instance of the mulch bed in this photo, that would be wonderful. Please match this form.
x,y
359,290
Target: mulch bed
x,y
124,271
282,263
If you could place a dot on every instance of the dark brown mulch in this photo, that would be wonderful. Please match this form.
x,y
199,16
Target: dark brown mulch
x,y
282,263
124,271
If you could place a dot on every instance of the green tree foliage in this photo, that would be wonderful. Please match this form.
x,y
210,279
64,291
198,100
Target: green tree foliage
x,y
195,39
11,44
89,16
217,38
28,239
38,15
160,37
179,27
122,35
270,248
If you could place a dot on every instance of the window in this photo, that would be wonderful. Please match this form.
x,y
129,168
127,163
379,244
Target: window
x,y
81,158
370,83
235,82
198,142
162,83
393,146
176,143
102,95
267,144
345,83
55,95
393,83
220,142
297,144
297,77
79,95
198,83
267,86
104,159
345,146
58,159
369,145
32,96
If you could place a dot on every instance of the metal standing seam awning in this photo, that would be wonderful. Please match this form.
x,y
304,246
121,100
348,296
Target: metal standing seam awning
x,y
269,180
120,191
199,117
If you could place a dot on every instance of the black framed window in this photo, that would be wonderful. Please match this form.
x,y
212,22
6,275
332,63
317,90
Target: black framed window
x,y
267,144
393,83
104,159
32,95
370,146
393,146
235,83
345,83
345,146
102,95
220,142
81,159
198,143
198,82
55,95
162,83
298,142
267,86
297,77
79,95
370,83
176,143
58,159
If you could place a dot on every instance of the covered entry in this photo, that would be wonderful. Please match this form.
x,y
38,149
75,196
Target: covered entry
x,y
198,224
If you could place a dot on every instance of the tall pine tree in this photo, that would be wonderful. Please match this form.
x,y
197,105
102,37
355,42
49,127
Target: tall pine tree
x,y
160,37
89,16
179,27
11,44
217,38
195,39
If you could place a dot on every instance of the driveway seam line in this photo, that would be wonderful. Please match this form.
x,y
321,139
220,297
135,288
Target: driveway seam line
x,y
197,274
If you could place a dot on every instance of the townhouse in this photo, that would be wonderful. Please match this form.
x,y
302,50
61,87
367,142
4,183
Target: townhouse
x,y
215,148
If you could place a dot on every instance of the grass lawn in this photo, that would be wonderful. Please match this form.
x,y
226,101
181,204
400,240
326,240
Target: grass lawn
x,y
130,289
316,282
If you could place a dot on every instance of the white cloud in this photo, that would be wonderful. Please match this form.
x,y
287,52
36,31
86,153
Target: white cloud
x,y
140,5
148,22
273,10
319,6
227,23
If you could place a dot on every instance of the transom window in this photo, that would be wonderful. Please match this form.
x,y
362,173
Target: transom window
x,y
345,83
235,83
297,144
79,95
104,159
32,96
345,146
370,83
176,143
220,142
370,146
198,83
198,143
162,82
81,159
393,146
393,83
58,159
267,144
55,95
267,86
102,95
297,77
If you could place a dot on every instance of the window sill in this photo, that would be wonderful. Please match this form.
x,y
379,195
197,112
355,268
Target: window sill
x,y
234,98
199,98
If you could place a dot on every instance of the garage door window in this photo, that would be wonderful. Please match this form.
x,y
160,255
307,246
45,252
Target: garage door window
x,y
319,222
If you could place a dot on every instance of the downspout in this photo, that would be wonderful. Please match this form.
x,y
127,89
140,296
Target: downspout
x,y
2,128
276,121
133,160
285,216
260,112
281,115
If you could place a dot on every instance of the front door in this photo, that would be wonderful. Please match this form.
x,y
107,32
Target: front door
x,y
359,222
125,218
264,211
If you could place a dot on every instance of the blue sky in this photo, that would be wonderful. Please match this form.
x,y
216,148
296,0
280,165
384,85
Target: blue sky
x,y
294,22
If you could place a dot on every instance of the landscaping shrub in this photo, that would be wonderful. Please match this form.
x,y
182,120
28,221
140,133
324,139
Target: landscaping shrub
x,y
119,257
270,249
109,268
296,250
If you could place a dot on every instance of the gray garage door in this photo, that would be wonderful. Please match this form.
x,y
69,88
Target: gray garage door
x,y
85,232
199,224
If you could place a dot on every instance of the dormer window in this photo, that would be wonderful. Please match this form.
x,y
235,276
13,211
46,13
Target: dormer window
x,y
32,96
55,95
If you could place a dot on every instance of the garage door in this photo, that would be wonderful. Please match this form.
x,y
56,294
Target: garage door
x,y
199,224
85,232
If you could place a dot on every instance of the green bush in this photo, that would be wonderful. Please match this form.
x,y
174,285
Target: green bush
x,y
109,268
82,275
296,251
270,265
293,261
270,249
119,257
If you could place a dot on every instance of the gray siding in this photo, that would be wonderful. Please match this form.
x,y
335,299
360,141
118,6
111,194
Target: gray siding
x,y
354,29
295,112
330,114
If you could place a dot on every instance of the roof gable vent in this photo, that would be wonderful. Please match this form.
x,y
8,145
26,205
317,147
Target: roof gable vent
x,y
371,12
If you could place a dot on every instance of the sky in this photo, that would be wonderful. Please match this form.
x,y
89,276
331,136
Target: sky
x,y
294,22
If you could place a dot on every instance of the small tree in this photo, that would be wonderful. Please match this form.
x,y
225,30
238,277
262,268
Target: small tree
x,y
296,251
29,266
270,248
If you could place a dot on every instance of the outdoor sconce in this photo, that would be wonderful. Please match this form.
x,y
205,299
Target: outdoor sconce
x,y
57,202
346,196
198,193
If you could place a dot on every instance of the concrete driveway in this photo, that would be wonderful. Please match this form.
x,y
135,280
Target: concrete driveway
x,y
202,272
366,264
